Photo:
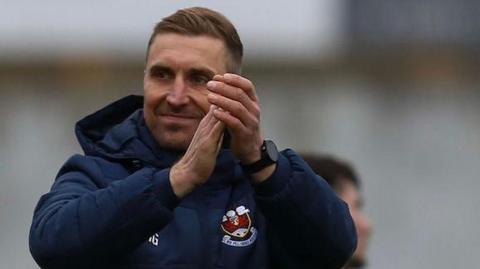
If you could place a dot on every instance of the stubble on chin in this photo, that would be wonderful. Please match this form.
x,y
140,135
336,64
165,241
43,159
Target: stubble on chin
x,y
173,137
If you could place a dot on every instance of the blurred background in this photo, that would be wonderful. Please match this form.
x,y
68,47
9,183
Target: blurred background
x,y
391,86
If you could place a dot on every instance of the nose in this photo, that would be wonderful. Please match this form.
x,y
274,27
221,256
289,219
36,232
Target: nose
x,y
178,95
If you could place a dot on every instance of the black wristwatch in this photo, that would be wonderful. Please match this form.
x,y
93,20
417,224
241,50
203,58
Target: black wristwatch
x,y
269,156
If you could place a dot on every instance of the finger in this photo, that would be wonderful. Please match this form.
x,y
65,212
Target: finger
x,y
212,137
220,142
205,126
207,134
236,94
217,132
218,78
214,127
235,108
240,82
233,123
208,121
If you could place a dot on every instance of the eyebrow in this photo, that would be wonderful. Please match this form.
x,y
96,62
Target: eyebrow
x,y
202,71
159,67
194,70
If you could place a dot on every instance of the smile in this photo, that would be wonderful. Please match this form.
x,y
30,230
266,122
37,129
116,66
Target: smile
x,y
176,117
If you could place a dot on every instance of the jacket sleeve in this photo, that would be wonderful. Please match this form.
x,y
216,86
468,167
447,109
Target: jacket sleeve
x,y
79,224
308,226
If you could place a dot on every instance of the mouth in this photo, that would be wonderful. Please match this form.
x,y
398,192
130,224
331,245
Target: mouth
x,y
178,118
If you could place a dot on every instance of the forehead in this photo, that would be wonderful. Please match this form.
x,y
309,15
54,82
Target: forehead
x,y
183,50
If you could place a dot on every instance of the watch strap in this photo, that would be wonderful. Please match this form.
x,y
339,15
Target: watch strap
x,y
269,155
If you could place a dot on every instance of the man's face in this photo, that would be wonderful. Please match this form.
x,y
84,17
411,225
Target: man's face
x,y
350,194
177,71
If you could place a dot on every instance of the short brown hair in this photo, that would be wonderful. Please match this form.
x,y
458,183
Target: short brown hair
x,y
332,169
198,21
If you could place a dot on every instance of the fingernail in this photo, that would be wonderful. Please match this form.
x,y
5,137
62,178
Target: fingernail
x,y
228,76
211,85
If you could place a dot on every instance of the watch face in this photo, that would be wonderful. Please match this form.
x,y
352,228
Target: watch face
x,y
271,150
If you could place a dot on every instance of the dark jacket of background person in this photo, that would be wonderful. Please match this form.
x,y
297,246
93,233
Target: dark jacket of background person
x,y
114,207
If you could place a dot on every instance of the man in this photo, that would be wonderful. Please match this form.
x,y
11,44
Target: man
x,y
183,177
343,179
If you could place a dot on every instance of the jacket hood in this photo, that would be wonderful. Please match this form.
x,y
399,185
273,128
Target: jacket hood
x,y
118,132
115,132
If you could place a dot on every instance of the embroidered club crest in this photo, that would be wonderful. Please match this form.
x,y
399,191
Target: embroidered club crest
x,y
237,226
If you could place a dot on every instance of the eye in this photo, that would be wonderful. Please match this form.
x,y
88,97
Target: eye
x,y
200,79
160,73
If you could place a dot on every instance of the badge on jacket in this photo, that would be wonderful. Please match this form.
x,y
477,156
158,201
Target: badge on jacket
x,y
237,227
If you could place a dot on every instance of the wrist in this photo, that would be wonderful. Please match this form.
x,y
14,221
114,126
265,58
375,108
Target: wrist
x,y
268,157
254,154
253,157
180,180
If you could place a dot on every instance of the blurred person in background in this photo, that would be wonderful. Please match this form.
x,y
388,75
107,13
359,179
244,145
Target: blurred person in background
x,y
344,180
183,177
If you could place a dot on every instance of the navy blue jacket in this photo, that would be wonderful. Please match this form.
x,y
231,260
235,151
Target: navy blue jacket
x,y
114,207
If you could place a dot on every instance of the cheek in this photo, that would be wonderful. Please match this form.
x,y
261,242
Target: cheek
x,y
200,99
153,97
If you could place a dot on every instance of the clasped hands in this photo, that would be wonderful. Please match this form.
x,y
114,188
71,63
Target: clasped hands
x,y
234,106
